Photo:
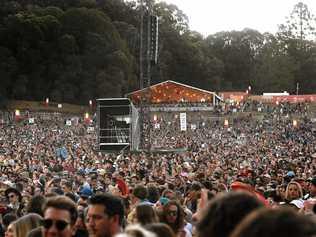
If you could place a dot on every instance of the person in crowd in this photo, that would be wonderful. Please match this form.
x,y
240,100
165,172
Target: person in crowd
x,y
67,188
160,229
224,212
153,193
36,204
138,196
293,192
22,226
136,231
312,189
7,219
121,184
145,214
281,222
37,232
14,198
60,215
168,193
173,215
81,229
105,215
194,194
9,231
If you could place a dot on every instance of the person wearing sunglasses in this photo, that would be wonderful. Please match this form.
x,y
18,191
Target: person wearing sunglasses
x,y
14,198
173,216
105,215
60,215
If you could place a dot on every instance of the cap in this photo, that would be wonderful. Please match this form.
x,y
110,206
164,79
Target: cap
x,y
313,180
85,192
290,174
163,200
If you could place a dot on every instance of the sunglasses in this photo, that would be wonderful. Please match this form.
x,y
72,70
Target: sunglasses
x,y
60,224
172,213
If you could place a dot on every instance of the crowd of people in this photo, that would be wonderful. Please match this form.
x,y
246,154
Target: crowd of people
x,y
252,176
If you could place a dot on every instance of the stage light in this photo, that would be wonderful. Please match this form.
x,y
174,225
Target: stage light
x,y
226,123
17,115
294,123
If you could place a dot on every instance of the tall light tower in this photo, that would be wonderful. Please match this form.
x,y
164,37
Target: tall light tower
x,y
148,58
148,42
141,54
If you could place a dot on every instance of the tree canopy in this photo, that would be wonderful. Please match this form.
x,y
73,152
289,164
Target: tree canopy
x,y
76,50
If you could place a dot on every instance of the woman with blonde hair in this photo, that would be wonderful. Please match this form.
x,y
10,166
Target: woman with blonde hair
x,y
25,224
293,192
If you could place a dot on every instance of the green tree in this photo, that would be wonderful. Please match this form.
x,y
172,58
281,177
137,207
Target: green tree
x,y
19,90
172,16
274,68
237,51
300,24
8,69
296,35
9,8
109,82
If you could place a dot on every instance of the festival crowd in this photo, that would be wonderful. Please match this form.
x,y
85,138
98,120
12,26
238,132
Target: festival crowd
x,y
255,176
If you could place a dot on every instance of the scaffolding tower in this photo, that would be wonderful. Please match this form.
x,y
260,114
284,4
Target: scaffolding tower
x,y
148,58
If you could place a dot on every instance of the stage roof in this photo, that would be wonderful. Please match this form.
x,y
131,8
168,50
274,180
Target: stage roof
x,y
173,92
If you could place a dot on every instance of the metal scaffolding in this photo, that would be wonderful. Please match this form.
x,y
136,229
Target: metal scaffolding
x,y
145,73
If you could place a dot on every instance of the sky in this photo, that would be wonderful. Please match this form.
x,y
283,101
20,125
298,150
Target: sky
x,y
211,16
